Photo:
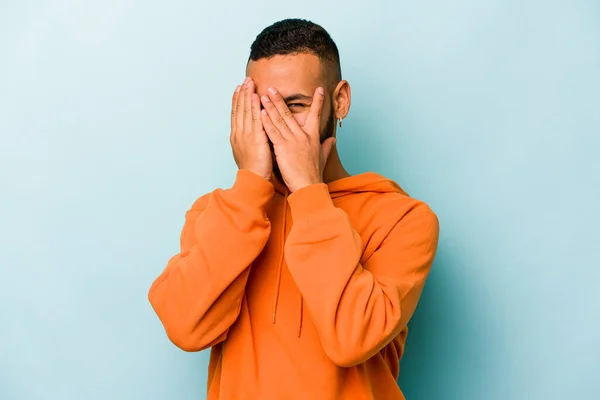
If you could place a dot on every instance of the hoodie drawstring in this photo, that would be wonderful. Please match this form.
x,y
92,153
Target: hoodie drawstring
x,y
279,272
280,266
301,312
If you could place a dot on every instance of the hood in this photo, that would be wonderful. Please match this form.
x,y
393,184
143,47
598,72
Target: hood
x,y
366,182
361,183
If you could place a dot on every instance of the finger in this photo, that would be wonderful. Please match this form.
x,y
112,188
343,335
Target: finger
x,y
236,93
271,130
280,113
257,126
239,109
248,106
313,120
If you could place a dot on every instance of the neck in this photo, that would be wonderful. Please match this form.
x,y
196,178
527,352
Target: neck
x,y
334,169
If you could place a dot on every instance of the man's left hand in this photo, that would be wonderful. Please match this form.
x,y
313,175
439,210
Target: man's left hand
x,y
300,155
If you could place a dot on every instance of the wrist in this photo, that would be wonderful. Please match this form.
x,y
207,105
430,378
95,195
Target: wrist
x,y
305,184
308,201
252,187
262,174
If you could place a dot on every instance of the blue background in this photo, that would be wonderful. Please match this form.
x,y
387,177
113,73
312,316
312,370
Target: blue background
x,y
114,118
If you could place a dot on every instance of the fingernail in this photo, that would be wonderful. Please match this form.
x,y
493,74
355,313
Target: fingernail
x,y
272,90
264,112
320,90
237,88
265,99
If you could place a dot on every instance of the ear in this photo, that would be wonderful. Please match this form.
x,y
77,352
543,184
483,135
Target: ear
x,y
341,100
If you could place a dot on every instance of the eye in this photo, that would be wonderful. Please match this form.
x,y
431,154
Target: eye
x,y
295,105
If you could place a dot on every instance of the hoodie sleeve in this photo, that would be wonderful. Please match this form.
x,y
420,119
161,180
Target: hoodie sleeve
x,y
199,294
357,309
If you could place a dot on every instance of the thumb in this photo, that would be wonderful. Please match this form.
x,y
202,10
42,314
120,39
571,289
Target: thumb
x,y
327,146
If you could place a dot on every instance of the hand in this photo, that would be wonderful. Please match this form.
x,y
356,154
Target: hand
x,y
248,139
300,155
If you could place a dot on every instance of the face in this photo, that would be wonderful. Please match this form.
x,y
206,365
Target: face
x,y
296,77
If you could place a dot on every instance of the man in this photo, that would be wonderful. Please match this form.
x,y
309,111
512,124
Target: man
x,y
301,277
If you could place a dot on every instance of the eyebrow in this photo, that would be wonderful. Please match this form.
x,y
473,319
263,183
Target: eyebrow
x,y
296,96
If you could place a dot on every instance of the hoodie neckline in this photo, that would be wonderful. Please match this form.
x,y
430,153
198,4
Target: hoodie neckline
x,y
363,182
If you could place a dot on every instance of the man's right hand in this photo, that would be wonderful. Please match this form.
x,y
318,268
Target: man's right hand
x,y
248,139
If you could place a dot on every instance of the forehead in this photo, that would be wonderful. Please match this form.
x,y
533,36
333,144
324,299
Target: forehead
x,y
288,73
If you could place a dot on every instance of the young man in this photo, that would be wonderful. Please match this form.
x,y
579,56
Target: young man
x,y
301,278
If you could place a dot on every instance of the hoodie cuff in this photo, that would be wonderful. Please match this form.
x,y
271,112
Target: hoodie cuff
x,y
252,188
310,200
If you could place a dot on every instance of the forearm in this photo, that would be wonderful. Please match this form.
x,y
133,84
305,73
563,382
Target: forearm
x,y
198,295
357,309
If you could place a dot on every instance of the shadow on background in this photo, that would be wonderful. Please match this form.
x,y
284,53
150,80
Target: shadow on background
x,y
438,350
447,353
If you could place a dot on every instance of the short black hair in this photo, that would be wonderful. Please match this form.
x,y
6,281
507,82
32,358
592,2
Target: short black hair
x,y
297,36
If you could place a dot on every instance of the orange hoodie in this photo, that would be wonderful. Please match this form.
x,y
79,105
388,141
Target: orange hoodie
x,y
302,296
